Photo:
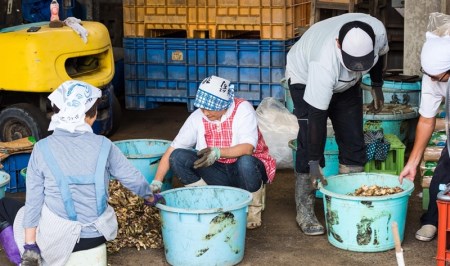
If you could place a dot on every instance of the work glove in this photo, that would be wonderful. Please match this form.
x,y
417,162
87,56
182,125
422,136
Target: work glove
x,y
157,198
207,157
378,100
32,255
155,186
315,173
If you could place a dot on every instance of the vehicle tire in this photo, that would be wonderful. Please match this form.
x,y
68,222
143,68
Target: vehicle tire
x,y
116,115
23,120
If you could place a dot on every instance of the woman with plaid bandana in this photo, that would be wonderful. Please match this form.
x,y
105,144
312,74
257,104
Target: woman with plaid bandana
x,y
229,148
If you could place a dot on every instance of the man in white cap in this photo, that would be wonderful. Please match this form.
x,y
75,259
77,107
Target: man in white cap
x,y
324,70
435,60
229,148
66,208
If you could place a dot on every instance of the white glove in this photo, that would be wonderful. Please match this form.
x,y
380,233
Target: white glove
x,y
155,186
74,23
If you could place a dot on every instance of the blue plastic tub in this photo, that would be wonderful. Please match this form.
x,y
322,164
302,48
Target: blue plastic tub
x,y
331,158
145,155
395,119
204,225
395,92
363,224
4,181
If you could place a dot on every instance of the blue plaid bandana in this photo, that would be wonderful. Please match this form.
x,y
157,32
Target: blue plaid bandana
x,y
214,94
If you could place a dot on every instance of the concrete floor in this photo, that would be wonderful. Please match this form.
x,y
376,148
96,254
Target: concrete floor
x,y
279,241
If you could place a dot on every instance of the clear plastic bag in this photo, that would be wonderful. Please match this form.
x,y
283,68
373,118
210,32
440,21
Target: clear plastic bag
x,y
439,24
278,126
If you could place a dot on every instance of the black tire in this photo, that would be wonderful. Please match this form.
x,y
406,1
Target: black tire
x,y
116,115
23,120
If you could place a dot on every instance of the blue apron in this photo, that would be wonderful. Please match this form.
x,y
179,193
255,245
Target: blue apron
x,y
63,181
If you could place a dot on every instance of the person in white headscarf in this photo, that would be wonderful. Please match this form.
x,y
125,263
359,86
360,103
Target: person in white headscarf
x,y
66,208
229,148
435,60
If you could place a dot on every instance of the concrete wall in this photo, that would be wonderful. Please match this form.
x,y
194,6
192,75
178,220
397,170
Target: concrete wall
x,y
416,20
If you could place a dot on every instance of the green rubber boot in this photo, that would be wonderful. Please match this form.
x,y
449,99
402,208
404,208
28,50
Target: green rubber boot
x,y
304,201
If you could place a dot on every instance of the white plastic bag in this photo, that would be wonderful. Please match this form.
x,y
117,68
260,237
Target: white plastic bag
x,y
439,24
278,126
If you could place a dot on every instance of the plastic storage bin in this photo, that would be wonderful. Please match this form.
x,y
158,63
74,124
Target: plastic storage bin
x,y
13,165
145,155
359,223
170,70
394,162
204,225
219,19
395,119
443,230
331,154
397,89
425,198
4,181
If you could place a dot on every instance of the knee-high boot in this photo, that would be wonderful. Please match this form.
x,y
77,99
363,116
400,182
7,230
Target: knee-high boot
x,y
304,201
8,243
254,209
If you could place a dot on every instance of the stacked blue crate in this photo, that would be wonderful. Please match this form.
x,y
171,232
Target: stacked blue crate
x,y
169,70
12,165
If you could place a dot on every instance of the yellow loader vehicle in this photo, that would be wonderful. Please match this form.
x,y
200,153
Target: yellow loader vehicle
x,y
35,59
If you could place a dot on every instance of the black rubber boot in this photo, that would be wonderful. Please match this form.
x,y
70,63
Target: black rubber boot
x,y
304,201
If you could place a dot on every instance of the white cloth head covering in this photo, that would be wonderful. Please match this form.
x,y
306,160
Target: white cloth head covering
x,y
435,57
73,98
214,94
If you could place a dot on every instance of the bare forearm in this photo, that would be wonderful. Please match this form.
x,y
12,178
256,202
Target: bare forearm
x,y
236,151
164,165
30,235
424,129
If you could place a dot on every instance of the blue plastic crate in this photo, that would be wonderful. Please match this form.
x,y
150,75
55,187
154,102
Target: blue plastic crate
x,y
13,165
170,70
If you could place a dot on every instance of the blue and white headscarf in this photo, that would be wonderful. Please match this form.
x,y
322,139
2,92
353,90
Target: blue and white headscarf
x,y
73,98
214,94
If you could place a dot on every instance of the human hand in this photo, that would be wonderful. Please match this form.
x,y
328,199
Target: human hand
x,y
32,255
408,172
207,157
315,173
378,100
155,199
156,185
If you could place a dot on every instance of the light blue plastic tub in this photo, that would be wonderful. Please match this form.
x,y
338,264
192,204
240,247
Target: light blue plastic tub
x,y
204,225
395,92
287,96
4,181
394,122
363,224
145,155
331,154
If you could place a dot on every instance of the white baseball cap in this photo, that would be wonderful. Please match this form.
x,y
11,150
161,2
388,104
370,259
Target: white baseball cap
x,y
357,41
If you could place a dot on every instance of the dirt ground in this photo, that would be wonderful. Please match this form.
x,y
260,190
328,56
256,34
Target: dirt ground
x,y
279,240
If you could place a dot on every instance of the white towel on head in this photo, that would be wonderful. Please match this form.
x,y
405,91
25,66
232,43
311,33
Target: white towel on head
x,y
435,56
73,98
